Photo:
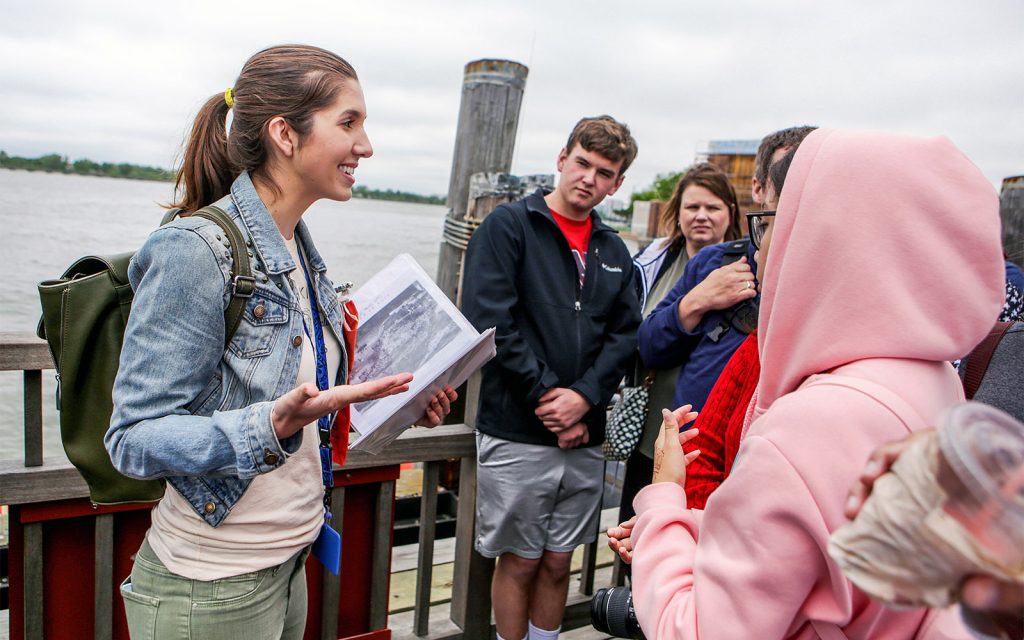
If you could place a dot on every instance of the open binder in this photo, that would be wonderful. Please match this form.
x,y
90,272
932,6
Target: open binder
x,y
406,323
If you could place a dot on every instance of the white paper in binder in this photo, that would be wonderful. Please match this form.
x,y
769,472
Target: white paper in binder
x,y
406,323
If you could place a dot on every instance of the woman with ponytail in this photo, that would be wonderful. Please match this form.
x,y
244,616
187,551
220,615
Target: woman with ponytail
x,y
242,430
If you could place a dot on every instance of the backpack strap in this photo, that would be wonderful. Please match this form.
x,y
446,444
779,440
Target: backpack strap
x,y
899,407
170,215
828,630
243,284
980,357
902,410
736,250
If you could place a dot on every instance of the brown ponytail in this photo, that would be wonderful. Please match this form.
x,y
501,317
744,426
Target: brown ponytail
x,y
205,175
291,81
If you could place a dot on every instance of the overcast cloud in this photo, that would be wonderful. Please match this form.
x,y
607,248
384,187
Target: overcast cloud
x,y
119,81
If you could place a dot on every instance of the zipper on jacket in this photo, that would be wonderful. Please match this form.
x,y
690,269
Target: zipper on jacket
x,y
579,298
578,306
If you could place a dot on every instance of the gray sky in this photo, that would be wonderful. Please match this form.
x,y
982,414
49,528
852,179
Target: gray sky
x,y
114,80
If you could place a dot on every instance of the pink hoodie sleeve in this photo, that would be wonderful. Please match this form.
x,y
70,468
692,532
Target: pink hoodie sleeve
x,y
760,555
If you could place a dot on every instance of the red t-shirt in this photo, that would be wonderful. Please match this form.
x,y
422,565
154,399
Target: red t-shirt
x,y
577,233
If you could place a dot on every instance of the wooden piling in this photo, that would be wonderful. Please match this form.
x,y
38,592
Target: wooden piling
x,y
1011,209
492,93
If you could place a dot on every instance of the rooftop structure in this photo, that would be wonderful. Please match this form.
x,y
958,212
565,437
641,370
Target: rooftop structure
x,y
736,158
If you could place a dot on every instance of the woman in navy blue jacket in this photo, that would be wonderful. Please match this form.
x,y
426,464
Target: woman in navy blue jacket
x,y
688,327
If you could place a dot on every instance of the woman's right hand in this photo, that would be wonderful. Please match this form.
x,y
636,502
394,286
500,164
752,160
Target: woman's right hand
x,y
721,289
305,403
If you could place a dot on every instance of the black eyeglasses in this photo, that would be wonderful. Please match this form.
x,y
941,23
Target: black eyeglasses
x,y
757,222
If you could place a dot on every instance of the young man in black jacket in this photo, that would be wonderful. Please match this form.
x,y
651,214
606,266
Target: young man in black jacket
x,y
557,283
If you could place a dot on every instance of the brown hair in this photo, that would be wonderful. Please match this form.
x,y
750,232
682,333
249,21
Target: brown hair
x,y
604,135
791,137
291,81
714,180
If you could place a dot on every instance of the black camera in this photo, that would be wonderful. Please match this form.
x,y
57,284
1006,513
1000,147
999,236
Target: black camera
x,y
743,316
611,612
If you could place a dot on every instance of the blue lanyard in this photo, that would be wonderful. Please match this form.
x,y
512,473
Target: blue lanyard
x,y
323,383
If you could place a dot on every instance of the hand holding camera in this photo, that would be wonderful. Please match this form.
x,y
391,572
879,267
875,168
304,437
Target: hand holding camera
x,y
724,287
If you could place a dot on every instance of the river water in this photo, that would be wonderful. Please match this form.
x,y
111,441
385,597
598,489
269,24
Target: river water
x,y
49,220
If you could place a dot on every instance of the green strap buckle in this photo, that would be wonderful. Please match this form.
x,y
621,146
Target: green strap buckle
x,y
243,286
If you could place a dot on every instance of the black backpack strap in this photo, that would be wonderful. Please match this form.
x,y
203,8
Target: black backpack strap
x,y
980,357
243,284
736,250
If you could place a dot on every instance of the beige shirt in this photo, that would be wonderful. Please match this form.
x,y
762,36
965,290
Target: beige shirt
x,y
280,513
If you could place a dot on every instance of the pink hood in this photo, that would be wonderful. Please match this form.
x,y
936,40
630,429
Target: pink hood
x,y
921,202
894,268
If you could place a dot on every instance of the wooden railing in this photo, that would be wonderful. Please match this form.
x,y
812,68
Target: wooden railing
x,y
48,503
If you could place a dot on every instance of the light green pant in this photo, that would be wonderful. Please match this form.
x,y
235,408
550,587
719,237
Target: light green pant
x,y
262,605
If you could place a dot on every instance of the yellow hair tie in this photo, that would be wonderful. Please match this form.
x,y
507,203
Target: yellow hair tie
x,y
229,97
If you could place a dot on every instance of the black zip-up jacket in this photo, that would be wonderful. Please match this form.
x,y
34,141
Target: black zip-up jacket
x,y
520,277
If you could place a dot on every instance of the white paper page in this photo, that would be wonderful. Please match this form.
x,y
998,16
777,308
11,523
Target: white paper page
x,y
407,324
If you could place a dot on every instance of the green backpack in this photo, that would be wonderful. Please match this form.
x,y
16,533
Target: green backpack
x,y
85,312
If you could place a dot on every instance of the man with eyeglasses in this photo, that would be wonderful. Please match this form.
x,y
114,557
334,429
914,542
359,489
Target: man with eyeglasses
x,y
773,146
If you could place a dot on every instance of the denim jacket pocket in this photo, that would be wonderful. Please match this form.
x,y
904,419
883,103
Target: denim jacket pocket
x,y
264,317
206,401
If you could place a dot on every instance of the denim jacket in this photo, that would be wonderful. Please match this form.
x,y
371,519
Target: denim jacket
x,y
185,408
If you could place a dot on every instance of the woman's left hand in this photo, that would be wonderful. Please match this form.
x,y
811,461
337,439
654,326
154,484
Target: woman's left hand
x,y
439,407
669,460
620,539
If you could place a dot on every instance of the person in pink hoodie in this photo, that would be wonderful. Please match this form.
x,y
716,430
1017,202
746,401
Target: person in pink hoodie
x,y
882,264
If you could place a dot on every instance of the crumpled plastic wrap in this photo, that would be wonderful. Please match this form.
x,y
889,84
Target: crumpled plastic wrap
x,y
905,547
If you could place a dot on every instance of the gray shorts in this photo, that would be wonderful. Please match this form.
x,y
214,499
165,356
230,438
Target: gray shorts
x,y
533,498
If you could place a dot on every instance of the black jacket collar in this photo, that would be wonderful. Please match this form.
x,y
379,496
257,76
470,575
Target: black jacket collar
x,y
535,203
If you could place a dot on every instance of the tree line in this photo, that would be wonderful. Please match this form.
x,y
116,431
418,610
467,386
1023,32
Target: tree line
x,y
359,191
55,163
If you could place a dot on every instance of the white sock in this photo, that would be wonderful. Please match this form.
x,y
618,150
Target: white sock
x,y
541,634
526,637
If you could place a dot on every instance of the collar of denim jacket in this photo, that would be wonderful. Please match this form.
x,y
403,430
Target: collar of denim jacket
x,y
266,238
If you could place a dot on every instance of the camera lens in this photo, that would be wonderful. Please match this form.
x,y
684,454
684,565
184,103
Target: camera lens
x,y
611,612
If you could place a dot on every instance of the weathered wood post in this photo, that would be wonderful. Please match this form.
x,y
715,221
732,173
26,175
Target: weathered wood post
x,y
492,92
1011,209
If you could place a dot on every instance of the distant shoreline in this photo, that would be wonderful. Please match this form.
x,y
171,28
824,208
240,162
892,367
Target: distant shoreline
x,y
54,163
